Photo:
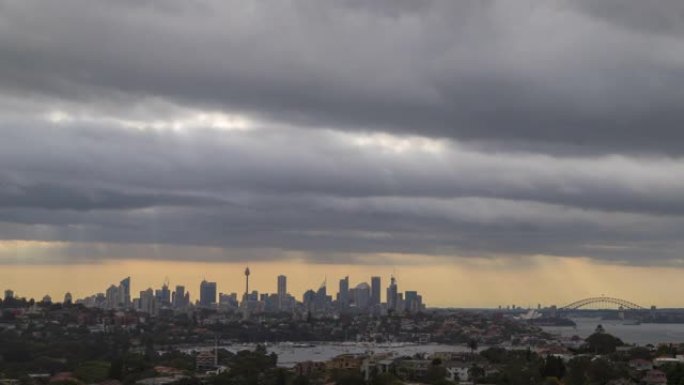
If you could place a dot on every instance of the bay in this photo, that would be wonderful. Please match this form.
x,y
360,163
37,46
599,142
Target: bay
x,y
642,334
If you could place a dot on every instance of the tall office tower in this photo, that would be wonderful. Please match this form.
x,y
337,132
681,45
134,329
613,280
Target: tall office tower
x,y
400,307
376,289
125,292
392,295
147,301
68,299
323,290
321,302
100,300
309,299
362,294
228,301
343,295
207,293
282,291
165,294
413,302
9,294
112,297
179,297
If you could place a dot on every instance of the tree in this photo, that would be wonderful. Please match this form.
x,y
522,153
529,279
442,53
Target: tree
x,y
189,381
349,378
553,367
93,371
281,377
300,380
436,372
472,344
577,371
522,372
666,350
600,371
116,369
385,379
640,352
603,343
476,373
495,355
675,373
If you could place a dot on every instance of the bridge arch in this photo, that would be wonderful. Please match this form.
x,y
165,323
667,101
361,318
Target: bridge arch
x,y
623,303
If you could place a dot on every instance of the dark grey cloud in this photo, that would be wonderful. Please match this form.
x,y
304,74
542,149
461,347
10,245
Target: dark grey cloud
x,y
330,195
573,74
69,197
338,131
663,17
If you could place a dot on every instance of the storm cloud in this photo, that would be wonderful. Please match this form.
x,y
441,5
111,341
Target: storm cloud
x,y
343,131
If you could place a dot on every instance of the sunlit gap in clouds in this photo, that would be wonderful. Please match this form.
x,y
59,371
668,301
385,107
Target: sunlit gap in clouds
x,y
182,122
396,144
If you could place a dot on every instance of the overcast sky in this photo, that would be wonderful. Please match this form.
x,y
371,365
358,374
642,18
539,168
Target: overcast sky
x,y
341,131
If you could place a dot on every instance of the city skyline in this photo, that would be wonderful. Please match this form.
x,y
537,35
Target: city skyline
x,y
468,294
209,292
361,299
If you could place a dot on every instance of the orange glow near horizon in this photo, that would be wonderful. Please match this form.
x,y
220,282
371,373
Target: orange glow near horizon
x,y
471,282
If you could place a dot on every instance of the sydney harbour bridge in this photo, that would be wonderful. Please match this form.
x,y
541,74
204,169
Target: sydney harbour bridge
x,y
604,306
608,307
603,302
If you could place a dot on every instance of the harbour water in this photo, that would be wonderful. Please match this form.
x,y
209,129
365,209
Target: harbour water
x,y
291,353
642,334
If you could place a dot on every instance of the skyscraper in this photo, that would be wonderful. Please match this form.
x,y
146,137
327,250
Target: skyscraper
x,y
179,297
413,302
343,295
282,291
376,289
309,299
362,294
147,301
165,294
321,301
392,295
112,297
125,292
207,293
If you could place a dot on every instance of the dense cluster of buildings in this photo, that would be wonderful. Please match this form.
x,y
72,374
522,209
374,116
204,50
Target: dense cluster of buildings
x,y
372,346
363,298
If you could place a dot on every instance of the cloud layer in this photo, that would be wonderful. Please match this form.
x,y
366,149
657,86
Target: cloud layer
x,y
341,131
